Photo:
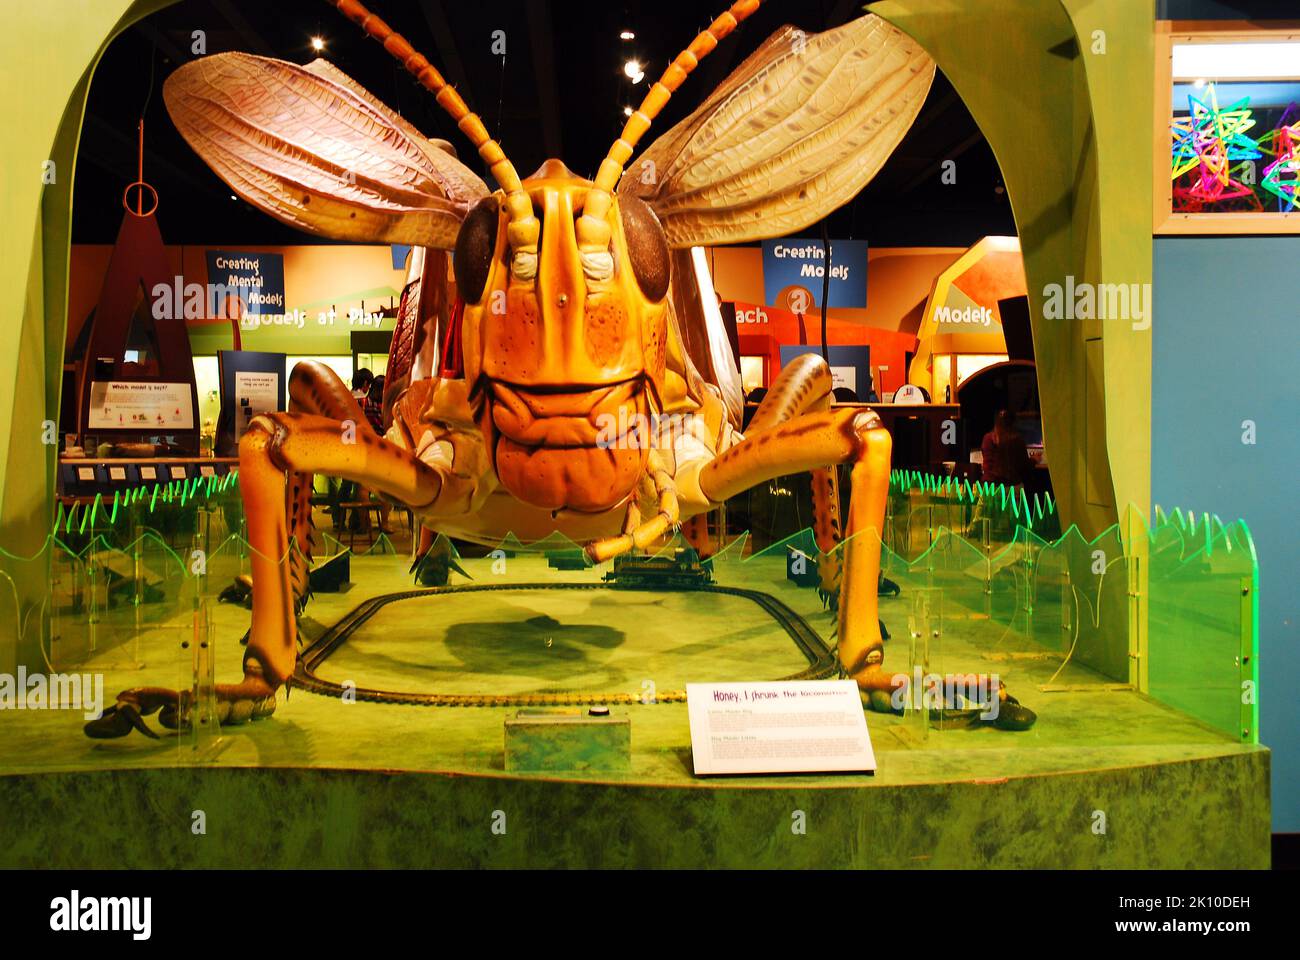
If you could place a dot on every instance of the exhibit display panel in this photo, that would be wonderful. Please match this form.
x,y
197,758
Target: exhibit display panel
x,y
146,592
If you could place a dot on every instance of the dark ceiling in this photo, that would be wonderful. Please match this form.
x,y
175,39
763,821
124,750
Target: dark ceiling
x,y
560,91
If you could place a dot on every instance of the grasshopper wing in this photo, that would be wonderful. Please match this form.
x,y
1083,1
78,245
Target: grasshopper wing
x,y
695,314
314,149
796,131
424,316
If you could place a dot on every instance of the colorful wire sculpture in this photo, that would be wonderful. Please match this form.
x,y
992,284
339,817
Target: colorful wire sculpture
x,y
1211,145
1282,176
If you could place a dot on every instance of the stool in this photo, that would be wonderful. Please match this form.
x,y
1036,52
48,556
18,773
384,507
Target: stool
x,y
364,508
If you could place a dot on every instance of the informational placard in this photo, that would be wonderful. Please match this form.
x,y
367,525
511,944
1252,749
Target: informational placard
x,y
793,269
139,405
846,377
787,726
252,382
255,278
254,393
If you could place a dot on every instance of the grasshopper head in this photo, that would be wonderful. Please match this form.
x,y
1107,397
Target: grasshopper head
x,y
564,350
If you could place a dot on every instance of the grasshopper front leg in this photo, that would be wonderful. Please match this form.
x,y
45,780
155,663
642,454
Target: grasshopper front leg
x,y
805,385
812,441
275,448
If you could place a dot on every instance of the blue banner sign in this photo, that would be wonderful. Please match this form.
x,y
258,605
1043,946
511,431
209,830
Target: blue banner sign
x,y
255,278
793,269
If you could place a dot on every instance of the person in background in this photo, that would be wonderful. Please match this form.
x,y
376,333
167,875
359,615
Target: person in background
x,y
373,405
844,395
347,490
1005,458
752,401
361,381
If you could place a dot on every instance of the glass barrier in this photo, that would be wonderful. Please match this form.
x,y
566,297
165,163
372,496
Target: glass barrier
x,y
1203,611
1129,639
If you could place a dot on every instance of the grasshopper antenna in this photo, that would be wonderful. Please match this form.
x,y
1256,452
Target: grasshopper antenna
x,y
593,229
523,230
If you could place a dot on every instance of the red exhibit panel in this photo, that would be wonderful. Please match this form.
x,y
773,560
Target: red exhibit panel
x,y
762,331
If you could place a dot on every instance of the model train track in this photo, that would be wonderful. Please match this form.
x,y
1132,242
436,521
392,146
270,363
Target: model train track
x,y
821,659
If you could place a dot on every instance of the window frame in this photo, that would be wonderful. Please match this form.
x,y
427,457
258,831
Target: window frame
x,y
1164,220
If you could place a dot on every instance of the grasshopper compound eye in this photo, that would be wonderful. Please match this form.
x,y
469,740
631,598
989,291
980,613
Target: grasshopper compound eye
x,y
475,246
647,247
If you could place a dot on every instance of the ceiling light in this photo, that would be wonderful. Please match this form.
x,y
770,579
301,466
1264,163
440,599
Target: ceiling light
x,y
318,44
627,111
634,71
1237,61
627,35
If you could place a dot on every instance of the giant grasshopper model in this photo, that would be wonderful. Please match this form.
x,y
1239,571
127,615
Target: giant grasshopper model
x,y
570,375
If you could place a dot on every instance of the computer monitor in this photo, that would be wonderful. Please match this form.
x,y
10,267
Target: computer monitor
x,y
1031,428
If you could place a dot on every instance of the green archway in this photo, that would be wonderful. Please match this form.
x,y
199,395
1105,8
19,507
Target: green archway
x,y
1061,88
48,54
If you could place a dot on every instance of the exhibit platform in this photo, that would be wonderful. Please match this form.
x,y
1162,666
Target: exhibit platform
x,y
1107,778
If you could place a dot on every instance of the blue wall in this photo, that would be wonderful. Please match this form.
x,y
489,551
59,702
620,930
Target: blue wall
x,y
1226,348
